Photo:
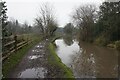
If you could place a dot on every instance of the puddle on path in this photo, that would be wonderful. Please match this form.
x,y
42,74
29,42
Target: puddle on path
x,y
33,73
37,50
39,46
35,56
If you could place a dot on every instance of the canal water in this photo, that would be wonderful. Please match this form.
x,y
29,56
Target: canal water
x,y
87,60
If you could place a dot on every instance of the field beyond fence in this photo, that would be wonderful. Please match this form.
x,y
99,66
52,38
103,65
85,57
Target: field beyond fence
x,y
13,43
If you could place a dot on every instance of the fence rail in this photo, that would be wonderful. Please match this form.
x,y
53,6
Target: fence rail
x,y
13,44
9,43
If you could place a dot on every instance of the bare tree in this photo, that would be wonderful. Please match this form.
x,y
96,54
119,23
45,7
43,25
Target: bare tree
x,y
84,17
46,20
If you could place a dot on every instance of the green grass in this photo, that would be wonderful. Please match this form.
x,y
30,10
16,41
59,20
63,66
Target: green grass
x,y
56,61
15,58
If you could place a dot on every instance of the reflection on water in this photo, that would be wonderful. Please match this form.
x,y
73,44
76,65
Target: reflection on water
x,y
39,46
87,60
65,52
68,40
35,56
33,73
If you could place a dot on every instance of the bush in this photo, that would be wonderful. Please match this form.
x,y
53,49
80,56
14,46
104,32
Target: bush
x,y
117,44
101,41
111,45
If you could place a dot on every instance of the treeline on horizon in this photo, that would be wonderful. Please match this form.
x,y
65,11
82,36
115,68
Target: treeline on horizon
x,y
99,27
89,24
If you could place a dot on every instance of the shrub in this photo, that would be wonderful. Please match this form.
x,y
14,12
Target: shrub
x,y
101,41
117,44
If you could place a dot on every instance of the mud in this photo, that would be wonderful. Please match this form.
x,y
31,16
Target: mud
x,y
33,64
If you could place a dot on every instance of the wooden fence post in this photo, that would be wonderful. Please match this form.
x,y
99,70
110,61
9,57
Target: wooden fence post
x,y
27,40
15,44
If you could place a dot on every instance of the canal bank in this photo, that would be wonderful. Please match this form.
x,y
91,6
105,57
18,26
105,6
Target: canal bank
x,y
57,68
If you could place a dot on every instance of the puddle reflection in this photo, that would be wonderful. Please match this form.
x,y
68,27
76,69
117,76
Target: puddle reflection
x,y
33,73
37,50
35,56
39,46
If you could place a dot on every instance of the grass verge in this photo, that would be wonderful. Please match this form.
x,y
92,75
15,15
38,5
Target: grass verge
x,y
15,58
54,60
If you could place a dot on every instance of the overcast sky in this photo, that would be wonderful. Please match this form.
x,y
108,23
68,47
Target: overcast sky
x,y
27,10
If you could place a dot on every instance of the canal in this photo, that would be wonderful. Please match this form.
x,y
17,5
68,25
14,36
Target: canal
x,y
87,60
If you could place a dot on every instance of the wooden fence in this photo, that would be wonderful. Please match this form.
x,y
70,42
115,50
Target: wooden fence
x,y
12,44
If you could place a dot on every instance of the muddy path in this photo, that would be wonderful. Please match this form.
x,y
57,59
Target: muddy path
x,y
33,64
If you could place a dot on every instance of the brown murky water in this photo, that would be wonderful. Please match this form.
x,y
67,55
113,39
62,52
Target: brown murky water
x,y
87,60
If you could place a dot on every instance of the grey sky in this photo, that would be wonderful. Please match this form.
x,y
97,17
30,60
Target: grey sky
x,y
27,10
